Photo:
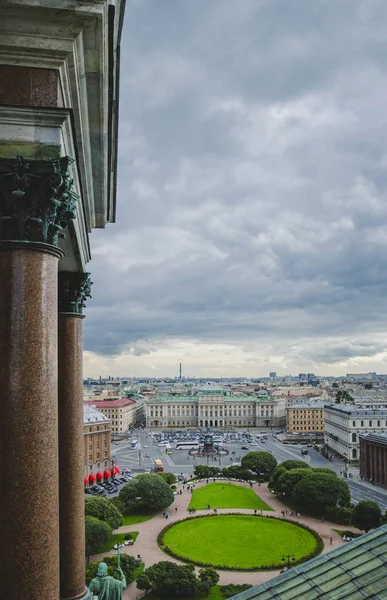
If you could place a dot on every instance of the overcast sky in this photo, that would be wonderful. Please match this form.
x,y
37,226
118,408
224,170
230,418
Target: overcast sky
x,y
251,230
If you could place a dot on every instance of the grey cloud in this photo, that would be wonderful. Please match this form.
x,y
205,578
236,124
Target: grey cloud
x,y
252,178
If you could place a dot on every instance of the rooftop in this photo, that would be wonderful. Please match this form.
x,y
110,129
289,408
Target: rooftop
x,y
354,571
350,409
306,405
92,415
119,403
195,399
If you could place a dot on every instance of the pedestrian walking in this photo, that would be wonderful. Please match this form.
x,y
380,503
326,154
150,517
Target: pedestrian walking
x,y
255,511
164,514
175,508
322,519
330,541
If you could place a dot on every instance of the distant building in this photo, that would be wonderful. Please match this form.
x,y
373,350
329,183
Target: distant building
x,y
305,417
273,375
122,412
212,407
344,424
373,457
97,440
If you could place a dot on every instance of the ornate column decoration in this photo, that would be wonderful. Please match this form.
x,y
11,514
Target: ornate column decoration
x,y
73,290
36,204
36,201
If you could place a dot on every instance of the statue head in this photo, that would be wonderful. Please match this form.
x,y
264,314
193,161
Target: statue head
x,y
102,569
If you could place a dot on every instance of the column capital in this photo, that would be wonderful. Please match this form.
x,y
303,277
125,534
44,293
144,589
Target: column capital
x,y
36,201
73,289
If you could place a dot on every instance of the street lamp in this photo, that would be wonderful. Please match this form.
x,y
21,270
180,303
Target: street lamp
x,y
288,557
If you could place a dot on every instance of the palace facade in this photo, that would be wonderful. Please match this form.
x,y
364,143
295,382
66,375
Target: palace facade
x,y
215,409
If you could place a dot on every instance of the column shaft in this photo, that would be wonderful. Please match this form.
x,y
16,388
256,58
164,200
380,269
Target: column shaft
x,y
71,457
29,519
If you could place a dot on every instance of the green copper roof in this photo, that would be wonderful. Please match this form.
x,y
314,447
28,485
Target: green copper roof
x,y
194,399
355,571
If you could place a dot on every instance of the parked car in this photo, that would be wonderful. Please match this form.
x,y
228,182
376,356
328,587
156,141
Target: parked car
x,y
244,448
116,546
128,543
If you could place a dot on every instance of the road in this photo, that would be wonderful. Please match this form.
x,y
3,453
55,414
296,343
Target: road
x,y
180,462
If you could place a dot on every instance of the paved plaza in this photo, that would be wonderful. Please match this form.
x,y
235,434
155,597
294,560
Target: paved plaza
x,y
146,544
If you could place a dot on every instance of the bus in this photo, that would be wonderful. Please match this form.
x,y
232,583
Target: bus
x,y
192,445
133,444
158,465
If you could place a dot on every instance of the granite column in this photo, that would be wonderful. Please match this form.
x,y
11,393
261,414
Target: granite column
x,y
36,203
74,288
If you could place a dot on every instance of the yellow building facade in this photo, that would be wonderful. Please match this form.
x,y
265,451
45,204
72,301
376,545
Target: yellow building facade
x,y
306,418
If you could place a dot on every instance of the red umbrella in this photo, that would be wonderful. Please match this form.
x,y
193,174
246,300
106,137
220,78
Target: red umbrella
x,y
106,473
99,476
91,478
117,470
85,480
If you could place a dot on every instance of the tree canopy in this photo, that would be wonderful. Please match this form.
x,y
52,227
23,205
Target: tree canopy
x,y
170,478
261,463
294,464
104,510
319,490
208,577
97,534
275,477
205,471
289,480
168,579
148,490
366,515
343,397
236,472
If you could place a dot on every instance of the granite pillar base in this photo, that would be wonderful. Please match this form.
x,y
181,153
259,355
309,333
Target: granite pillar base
x,y
29,510
71,458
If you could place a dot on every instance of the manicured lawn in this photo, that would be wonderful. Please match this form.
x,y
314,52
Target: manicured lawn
x,y
225,495
238,540
133,517
215,594
115,538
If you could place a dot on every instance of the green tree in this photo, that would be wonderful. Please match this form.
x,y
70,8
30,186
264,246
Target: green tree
x,y
289,480
236,472
232,589
168,579
384,518
97,534
343,397
366,515
104,510
128,565
170,478
275,477
261,463
325,470
335,385
205,471
368,386
208,577
294,464
318,491
147,490
118,504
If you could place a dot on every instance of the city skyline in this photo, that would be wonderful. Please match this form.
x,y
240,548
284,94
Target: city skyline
x,y
251,193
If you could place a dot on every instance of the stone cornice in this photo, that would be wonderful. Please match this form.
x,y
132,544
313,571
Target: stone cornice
x,y
73,290
36,201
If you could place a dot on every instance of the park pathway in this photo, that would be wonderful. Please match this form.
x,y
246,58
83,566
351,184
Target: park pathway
x,y
146,543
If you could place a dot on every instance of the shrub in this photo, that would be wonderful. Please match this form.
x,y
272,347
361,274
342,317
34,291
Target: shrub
x,y
97,534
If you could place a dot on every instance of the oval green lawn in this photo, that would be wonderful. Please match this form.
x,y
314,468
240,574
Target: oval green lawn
x,y
242,541
226,495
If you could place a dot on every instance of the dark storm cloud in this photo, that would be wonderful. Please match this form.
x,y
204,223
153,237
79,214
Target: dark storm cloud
x,y
252,175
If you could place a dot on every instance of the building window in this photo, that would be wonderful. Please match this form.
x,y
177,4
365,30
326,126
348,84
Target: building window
x,y
354,437
378,423
370,423
353,423
361,423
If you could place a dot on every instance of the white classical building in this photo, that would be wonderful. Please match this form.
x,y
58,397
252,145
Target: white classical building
x,y
344,424
215,408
